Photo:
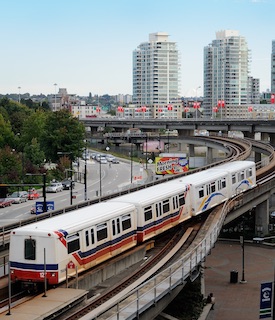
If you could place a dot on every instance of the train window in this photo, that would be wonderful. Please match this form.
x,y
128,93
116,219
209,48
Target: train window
x,y
126,222
87,238
223,183
118,225
92,236
241,175
181,199
73,243
166,206
249,172
213,187
148,214
233,178
175,203
158,210
101,231
201,192
208,189
114,227
29,252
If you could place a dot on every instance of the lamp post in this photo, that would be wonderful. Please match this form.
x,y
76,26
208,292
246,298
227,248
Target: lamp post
x,y
197,102
242,244
85,172
71,175
55,84
44,188
19,98
131,156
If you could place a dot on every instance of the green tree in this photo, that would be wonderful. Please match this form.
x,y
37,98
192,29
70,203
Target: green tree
x,y
63,133
6,134
10,166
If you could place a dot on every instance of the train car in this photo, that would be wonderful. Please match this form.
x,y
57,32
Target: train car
x,y
91,235
86,237
158,207
211,187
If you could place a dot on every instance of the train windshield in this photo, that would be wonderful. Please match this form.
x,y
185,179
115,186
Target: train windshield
x,y
30,249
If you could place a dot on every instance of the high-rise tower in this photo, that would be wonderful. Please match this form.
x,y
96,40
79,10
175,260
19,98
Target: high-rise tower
x,y
156,71
226,71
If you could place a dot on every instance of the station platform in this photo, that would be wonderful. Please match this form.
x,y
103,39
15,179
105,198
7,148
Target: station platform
x,y
40,307
239,299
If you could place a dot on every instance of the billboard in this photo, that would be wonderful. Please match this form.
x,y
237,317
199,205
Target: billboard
x,y
39,206
171,165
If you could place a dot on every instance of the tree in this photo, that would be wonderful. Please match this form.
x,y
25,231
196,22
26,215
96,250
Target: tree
x,y
6,134
63,133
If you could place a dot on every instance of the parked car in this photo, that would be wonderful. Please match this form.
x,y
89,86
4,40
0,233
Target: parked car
x,y
5,202
19,196
66,183
54,187
115,160
33,194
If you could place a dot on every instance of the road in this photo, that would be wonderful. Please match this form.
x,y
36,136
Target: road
x,y
113,179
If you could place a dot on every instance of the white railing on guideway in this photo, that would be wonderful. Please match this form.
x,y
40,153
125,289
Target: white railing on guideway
x,y
132,304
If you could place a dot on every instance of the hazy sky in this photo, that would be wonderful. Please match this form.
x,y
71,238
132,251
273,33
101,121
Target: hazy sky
x,y
86,45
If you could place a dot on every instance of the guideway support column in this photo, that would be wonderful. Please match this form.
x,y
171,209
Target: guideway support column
x,y
209,155
262,218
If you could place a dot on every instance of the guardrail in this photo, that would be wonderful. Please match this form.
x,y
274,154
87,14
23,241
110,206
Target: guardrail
x,y
132,304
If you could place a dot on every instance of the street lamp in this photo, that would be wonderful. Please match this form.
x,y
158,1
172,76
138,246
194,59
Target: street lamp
x,y
71,175
197,105
19,98
85,172
131,155
55,96
242,244
44,188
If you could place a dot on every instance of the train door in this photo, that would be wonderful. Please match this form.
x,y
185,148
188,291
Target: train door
x,y
115,236
89,247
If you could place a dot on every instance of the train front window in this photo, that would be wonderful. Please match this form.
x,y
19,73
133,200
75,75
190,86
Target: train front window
x,y
30,249
73,243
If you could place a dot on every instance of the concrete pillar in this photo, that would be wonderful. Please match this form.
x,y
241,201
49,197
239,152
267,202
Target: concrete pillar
x,y
250,135
209,156
272,139
257,157
262,218
191,150
264,136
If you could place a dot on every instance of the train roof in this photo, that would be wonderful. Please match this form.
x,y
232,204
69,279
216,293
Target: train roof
x,y
78,219
214,173
151,194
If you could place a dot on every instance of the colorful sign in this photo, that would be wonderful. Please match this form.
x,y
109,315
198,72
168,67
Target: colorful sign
x,y
171,165
266,300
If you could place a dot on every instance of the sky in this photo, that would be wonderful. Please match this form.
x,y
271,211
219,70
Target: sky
x,y
86,46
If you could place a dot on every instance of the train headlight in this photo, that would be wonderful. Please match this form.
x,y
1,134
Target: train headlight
x,y
12,271
52,274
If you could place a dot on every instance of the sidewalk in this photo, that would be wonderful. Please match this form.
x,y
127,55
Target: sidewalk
x,y
238,301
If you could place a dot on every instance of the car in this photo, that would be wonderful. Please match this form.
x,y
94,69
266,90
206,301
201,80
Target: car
x,y
115,160
19,196
103,160
66,183
5,202
33,210
54,187
109,157
33,194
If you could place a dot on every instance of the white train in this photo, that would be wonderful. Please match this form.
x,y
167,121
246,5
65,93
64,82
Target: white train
x,y
93,234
